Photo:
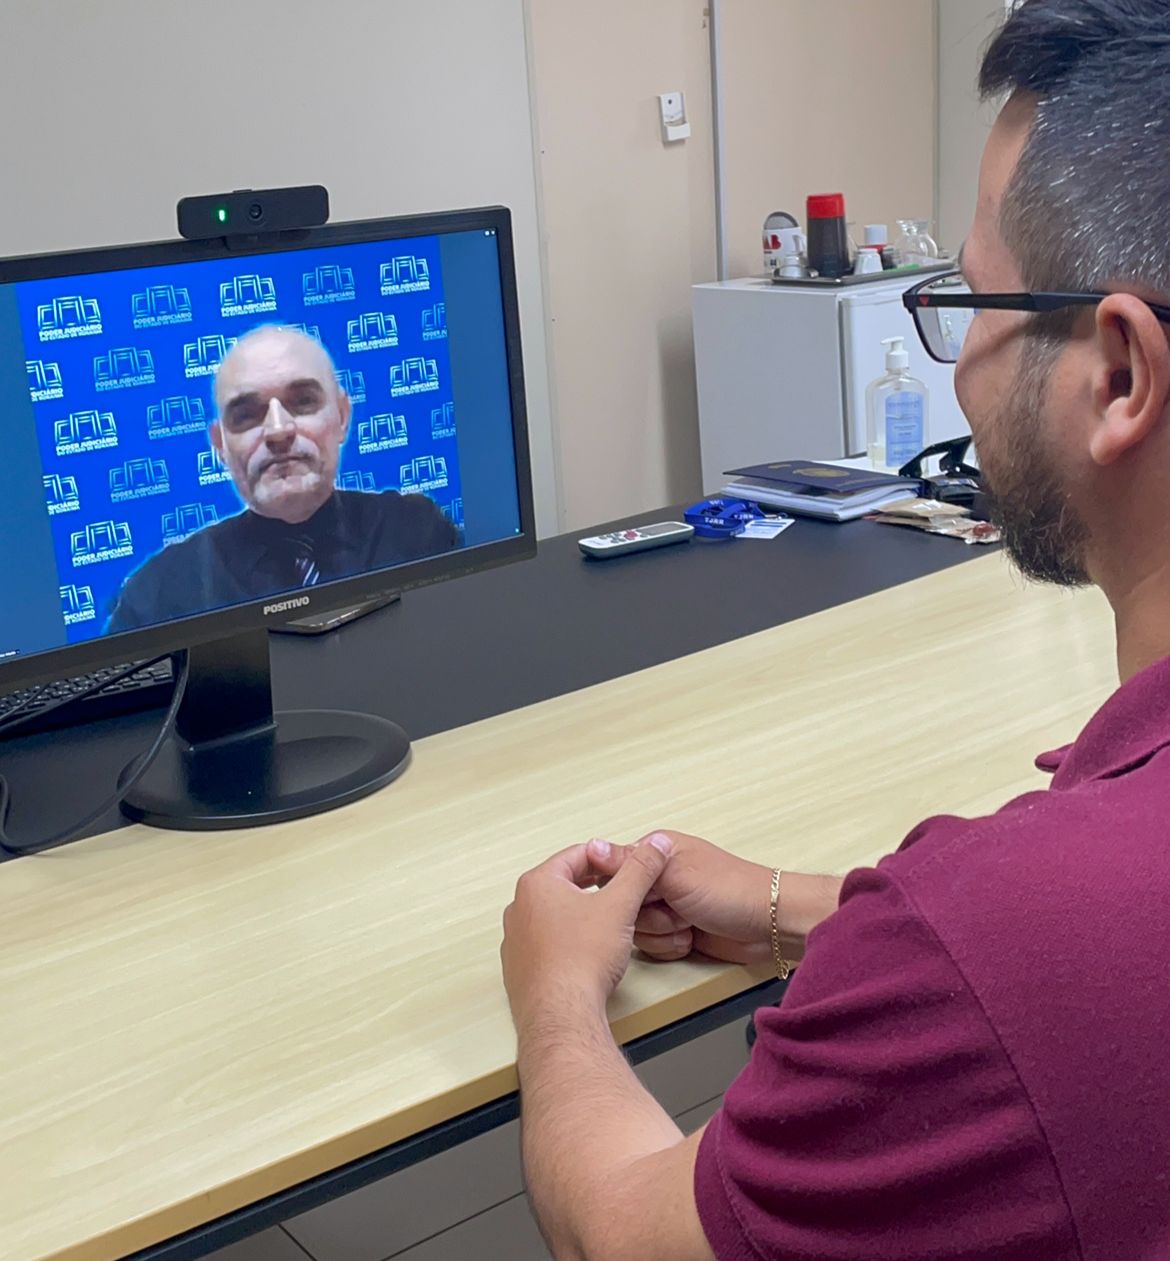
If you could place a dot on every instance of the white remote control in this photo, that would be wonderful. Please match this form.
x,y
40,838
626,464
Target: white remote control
x,y
636,539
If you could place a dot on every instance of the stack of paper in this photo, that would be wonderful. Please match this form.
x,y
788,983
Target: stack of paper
x,y
811,489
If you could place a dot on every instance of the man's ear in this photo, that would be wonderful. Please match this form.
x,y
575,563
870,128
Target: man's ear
x,y
344,412
217,436
1131,382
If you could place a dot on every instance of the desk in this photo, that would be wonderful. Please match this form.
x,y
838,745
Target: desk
x,y
197,1022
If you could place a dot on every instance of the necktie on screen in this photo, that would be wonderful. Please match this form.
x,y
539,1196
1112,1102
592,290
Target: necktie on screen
x,y
305,565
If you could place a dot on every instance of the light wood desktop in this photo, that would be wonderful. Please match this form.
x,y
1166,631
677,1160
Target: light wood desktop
x,y
195,1021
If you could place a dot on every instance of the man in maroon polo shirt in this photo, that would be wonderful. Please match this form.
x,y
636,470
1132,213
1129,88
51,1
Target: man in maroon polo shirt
x,y
970,1062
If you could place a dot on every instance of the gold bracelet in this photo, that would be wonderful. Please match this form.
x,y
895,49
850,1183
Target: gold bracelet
x,y
783,967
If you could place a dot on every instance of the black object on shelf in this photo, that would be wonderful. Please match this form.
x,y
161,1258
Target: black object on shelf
x,y
957,482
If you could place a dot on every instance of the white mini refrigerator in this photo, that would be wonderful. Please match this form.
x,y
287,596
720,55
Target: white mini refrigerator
x,y
782,370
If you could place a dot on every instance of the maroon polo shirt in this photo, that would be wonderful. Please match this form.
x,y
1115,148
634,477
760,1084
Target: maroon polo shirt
x,y
974,1059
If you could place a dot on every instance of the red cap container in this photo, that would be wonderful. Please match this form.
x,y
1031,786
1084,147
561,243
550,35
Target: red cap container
x,y
827,206
828,241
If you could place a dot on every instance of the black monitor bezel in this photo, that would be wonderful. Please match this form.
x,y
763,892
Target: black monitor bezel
x,y
220,624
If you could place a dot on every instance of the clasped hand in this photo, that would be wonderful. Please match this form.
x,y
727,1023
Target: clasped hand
x,y
575,918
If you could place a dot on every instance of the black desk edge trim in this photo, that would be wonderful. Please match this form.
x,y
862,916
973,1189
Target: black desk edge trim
x,y
359,1173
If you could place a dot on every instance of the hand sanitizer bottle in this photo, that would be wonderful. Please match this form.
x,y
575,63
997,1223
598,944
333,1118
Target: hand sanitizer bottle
x,y
896,411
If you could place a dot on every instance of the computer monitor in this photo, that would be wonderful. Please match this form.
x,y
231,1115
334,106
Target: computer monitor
x,y
206,438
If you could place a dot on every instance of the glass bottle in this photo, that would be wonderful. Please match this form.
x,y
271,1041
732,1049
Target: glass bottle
x,y
915,247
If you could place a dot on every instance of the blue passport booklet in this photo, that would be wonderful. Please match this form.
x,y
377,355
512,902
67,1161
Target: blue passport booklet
x,y
809,477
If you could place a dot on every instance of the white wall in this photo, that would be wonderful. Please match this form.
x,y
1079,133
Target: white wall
x,y
964,27
114,110
813,88
827,96
630,225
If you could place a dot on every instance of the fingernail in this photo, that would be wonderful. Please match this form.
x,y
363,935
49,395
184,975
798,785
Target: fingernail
x,y
599,847
662,843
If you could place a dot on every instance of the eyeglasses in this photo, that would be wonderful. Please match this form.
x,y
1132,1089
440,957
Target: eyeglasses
x,y
944,309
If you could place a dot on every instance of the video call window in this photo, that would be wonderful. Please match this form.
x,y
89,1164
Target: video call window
x,y
212,433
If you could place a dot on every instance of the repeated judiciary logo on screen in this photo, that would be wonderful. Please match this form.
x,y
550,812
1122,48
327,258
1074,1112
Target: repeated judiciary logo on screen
x,y
69,316
44,381
177,415
434,322
139,479
329,283
408,273
123,368
122,374
81,432
61,493
247,295
202,357
101,541
382,433
77,604
158,306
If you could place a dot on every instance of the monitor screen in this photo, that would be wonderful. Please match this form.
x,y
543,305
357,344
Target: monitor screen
x,y
198,434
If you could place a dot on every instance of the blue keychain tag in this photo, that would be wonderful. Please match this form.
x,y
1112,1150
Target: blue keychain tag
x,y
721,518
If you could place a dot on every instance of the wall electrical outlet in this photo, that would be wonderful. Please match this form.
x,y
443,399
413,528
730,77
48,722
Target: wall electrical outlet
x,y
673,108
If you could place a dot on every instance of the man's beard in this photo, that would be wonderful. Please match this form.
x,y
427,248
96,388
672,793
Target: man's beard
x,y
1042,531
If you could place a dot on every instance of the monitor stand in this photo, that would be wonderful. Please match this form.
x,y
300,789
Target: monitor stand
x,y
232,762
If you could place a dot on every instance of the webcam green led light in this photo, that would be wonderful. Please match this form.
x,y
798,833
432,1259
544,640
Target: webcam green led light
x,y
250,211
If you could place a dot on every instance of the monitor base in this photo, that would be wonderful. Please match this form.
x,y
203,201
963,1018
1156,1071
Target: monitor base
x,y
305,762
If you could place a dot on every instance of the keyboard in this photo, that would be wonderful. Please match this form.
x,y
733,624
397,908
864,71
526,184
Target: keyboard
x,y
150,689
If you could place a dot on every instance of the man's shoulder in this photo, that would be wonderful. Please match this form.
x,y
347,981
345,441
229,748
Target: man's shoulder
x,y
397,527
1049,878
173,558
172,582
390,504
1048,835
176,557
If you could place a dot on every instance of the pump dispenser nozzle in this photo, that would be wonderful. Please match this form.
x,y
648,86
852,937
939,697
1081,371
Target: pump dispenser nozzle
x,y
897,356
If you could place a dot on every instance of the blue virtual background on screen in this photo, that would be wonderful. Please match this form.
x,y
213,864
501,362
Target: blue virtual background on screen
x,y
121,376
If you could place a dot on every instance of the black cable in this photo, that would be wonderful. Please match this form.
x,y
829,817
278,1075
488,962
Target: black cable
x,y
18,717
180,665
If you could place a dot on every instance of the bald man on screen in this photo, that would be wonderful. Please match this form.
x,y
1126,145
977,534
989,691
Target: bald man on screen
x,y
282,419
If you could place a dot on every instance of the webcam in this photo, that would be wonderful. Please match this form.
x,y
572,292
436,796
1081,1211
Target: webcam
x,y
250,211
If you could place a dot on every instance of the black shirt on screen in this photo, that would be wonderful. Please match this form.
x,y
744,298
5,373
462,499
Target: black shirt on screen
x,y
248,557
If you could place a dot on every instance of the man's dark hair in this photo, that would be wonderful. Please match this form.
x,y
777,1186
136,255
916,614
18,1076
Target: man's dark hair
x,y
1089,205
